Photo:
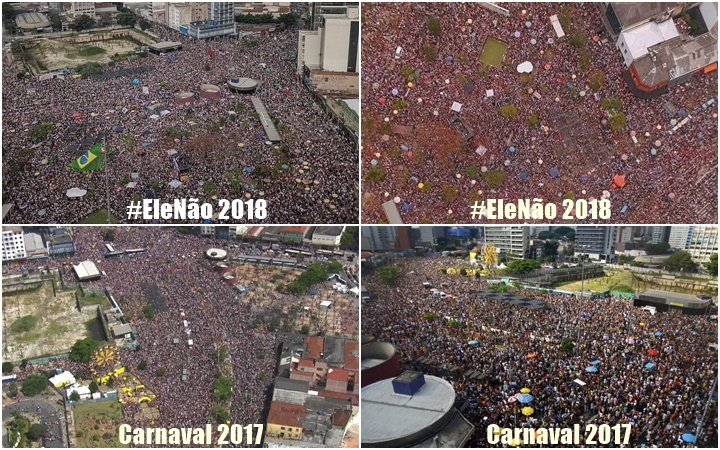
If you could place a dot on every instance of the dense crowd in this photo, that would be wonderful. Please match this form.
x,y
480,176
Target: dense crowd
x,y
570,133
661,403
314,162
174,277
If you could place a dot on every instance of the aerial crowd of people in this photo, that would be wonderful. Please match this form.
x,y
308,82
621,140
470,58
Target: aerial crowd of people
x,y
654,372
412,78
222,139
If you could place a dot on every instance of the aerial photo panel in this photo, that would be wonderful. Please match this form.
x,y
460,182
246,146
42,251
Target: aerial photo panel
x,y
609,105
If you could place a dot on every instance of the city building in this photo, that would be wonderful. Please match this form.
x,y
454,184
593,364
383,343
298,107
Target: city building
x,y
347,110
13,243
327,236
379,362
158,12
666,301
333,46
700,241
412,410
427,236
292,235
658,234
325,82
219,22
35,246
378,238
319,9
513,240
596,242
284,421
656,51
82,8
179,14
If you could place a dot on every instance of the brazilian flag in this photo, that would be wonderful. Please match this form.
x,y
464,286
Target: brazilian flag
x,y
90,160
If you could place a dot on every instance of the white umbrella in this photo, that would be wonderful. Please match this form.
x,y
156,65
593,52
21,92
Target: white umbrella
x,y
76,193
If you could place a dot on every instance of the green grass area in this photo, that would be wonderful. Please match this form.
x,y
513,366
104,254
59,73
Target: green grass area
x,y
618,282
493,52
92,299
97,424
624,281
99,217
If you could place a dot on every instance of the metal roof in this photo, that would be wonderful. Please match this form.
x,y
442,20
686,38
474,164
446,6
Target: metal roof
x,y
388,416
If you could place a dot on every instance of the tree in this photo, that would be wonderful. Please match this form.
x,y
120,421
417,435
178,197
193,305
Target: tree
x,y
88,69
305,330
567,345
494,178
597,79
12,390
93,387
161,371
661,248
680,262
142,365
222,389
434,27
56,21
388,274
711,267
74,397
40,132
333,266
375,174
144,24
8,367
34,384
35,432
521,266
109,235
288,19
83,22
509,111
611,104
82,349
550,248
220,413
126,19
7,10
149,312
618,121
348,240
430,52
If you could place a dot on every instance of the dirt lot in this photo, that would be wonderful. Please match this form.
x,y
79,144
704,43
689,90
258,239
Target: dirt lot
x,y
59,324
53,53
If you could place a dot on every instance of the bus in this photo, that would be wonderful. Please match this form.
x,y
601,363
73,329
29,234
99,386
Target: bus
x,y
324,252
134,250
292,251
9,379
113,254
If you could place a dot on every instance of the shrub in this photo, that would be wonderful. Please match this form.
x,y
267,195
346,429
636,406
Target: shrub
x,y
434,27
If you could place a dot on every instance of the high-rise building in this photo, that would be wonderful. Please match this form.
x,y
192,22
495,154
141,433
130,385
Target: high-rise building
x,y
513,240
378,239
597,242
158,12
427,235
179,14
334,46
82,8
680,237
13,243
658,234
319,9
700,241
219,21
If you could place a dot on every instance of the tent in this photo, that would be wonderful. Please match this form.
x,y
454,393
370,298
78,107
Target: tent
x,y
76,193
619,181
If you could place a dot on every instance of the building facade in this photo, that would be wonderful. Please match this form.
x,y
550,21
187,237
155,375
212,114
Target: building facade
x,y
512,240
596,242
13,243
333,46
